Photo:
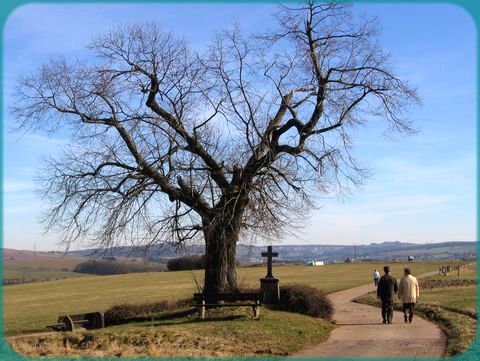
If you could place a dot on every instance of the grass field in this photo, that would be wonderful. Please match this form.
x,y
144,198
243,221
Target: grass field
x,y
39,275
453,308
27,266
24,266
30,307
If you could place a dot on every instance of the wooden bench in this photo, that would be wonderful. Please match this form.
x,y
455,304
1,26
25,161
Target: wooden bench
x,y
235,299
92,320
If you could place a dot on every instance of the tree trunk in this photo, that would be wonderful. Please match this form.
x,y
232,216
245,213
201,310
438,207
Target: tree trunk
x,y
221,249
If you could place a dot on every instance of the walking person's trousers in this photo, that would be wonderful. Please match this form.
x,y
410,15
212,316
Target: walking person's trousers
x,y
387,311
408,309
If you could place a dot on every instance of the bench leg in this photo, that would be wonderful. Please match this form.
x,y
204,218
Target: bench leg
x,y
69,325
256,310
202,310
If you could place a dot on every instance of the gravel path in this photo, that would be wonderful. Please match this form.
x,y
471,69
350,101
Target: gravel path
x,y
361,333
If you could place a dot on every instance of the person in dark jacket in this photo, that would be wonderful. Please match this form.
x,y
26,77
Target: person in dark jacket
x,y
386,291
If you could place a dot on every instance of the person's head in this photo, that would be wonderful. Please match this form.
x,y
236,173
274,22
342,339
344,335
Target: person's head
x,y
375,270
406,271
386,269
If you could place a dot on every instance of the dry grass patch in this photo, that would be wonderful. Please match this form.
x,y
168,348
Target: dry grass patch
x,y
225,333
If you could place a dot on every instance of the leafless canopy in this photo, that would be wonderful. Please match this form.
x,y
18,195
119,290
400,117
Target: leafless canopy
x,y
170,143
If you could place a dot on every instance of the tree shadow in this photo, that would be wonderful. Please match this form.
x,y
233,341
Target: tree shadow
x,y
199,320
364,324
184,318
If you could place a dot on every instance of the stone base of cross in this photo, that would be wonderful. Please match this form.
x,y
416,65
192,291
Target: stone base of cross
x,y
270,290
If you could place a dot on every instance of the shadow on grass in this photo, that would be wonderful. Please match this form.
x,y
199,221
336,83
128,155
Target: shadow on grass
x,y
182,317
366,324
199,320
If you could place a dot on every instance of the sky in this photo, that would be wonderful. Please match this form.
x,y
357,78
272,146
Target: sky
x,y
422,188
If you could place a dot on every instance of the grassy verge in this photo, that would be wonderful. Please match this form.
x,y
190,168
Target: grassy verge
x,y
225,333
451,307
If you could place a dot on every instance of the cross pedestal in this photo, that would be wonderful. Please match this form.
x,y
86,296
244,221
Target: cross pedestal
x,y
270,290
269,284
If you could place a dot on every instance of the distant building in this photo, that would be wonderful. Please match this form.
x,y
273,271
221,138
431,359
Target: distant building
x,y
315,263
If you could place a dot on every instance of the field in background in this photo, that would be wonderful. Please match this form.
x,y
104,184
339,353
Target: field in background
x,y
30,307
27,266
461,298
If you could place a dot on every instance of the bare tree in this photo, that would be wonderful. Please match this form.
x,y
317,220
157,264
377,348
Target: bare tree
x,y
173,145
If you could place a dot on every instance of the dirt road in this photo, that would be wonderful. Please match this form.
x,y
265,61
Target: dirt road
x,y
361,333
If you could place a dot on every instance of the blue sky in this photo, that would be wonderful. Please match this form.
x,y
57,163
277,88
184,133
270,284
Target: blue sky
x,y
422,188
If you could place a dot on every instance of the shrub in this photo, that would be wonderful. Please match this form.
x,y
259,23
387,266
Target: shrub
x,y
436,283
123,313
97,267
306,300
186,263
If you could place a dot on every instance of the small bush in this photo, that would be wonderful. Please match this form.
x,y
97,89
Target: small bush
x,y
306,300
127,312
186,263
124,313
101,267
436,283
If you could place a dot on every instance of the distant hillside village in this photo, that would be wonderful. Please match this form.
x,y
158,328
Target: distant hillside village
x,y
315,254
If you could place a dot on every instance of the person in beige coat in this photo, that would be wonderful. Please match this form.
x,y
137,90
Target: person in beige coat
x,y
408,292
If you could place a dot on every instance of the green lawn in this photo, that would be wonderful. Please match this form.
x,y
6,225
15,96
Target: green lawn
x,y
463,298
30,307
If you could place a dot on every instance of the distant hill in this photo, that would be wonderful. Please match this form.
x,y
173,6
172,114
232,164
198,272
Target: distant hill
x,y
304,253
22,266
26,255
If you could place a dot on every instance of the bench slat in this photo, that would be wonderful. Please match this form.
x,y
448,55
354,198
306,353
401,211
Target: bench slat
x,y
228,304
232,296
201,305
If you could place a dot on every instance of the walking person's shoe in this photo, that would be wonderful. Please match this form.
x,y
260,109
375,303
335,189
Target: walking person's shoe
x,y
405,318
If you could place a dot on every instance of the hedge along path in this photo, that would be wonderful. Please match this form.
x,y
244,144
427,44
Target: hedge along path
x,y
361,333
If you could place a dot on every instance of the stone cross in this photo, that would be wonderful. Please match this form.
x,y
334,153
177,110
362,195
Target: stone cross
x,y
269,254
